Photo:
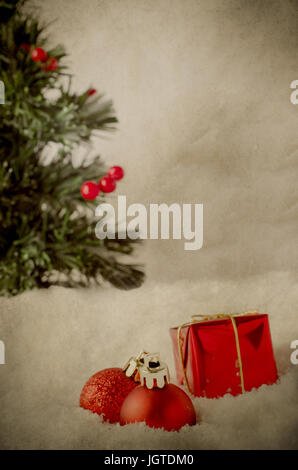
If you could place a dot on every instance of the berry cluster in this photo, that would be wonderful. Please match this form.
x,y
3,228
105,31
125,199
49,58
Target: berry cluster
x,y
38,54
107,184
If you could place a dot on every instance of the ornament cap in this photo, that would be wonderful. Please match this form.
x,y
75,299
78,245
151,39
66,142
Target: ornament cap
x,y
154,373
134,363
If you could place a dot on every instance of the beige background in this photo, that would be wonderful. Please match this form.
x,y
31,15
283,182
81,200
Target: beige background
x,y
202,91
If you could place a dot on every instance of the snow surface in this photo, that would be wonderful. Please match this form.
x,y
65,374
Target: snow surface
x,y
55,339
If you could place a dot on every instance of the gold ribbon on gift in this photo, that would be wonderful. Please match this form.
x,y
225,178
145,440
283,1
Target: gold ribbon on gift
x,y
218,316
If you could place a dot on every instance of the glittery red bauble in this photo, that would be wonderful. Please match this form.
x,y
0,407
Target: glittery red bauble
x,y
89,190
116,172
52,64
39,54
105,392
107,184
168,407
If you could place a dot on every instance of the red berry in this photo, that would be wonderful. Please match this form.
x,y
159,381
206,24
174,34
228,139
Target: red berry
x,y
39,54
92,91
52,64
25,46
116,172
89,190
107,184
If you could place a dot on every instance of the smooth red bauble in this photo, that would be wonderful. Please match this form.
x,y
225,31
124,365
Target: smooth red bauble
x,y
89,190
92,91
168,407
105,392
52,64
39,55
116,172
107,184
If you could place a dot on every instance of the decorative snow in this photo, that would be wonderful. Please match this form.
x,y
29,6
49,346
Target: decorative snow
x,y
55,339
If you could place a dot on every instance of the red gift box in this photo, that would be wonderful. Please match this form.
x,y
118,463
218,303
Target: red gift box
x,y
226,353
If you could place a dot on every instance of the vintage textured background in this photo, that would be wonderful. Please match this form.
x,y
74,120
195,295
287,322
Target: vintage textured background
x,y
202,91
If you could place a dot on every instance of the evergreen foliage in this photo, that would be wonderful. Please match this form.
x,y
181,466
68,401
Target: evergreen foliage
x,y
44,224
